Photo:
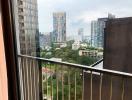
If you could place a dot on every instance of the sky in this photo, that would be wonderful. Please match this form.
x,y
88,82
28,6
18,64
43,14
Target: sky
x,y
80,13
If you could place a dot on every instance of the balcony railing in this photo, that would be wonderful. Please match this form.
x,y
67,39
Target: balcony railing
x,y
68,81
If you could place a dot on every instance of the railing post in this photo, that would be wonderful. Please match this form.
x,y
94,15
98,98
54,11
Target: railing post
x,y
69,84
91,87
100,87
62,83
123,86
75,85
57,82
82,84
111,87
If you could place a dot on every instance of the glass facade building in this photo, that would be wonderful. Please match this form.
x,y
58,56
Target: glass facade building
x,y
59,27
27,34
97,31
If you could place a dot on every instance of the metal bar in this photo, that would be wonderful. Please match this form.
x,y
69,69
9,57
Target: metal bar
x,y
30,74
105,71
51,83
69,85
75,85
111,87
100,87
82,84
23,74
26,80
46,69
37,82
20,62
62,80
34,76
123,86
91,87
57,82
43,81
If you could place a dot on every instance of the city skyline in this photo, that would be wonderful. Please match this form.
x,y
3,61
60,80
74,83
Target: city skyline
x,y
80,16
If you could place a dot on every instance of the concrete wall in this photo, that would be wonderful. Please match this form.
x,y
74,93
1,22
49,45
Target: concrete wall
x,y
118,45
117,56
118,52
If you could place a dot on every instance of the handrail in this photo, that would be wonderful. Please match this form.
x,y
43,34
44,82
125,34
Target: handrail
x,y
96,63
87,68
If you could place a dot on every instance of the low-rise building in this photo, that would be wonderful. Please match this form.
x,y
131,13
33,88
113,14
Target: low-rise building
x,y
91,53
76,45
84,45
63,45
45,39
56,59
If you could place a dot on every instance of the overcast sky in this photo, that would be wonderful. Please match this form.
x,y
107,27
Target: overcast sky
x,y
80,13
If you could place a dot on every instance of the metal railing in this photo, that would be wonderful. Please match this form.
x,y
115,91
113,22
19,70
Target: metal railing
x,y
68,81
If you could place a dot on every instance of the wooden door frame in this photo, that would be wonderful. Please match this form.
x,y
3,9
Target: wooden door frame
x,y
10,49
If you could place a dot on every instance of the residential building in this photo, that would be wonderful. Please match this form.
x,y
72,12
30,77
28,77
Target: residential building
x,y
76,45
60,45
97,31
87,39
59,27
27,34
91,53
80,34
26,21
45,39
56,59
63,45
84,45
69,38
94,31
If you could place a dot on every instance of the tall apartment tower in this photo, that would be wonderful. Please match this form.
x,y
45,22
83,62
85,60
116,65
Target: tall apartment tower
x,y
80,34
97,31
59,27
27,34
94,28
26,20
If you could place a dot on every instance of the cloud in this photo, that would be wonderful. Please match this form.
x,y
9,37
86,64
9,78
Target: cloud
x,y
80,12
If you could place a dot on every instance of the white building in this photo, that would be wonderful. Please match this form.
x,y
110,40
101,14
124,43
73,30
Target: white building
x,y
63,45
90,53
76,45
56,59
84,45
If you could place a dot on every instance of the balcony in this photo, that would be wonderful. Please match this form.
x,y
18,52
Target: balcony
x,y
67,81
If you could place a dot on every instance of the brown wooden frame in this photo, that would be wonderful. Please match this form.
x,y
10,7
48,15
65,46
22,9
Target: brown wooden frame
x,y
10,49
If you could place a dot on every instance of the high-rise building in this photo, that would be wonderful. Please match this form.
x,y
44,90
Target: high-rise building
x,y
27,33
59,27
97,31
94,28
80,34
26,20
45,39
